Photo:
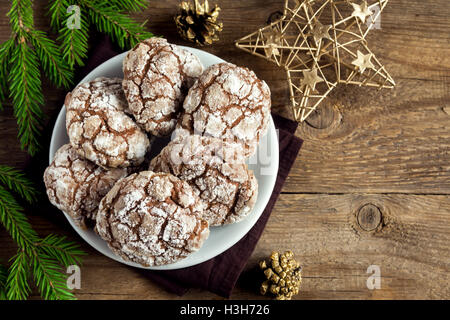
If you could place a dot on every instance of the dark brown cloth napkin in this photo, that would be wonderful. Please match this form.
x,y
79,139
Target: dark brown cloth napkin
x,y
219,274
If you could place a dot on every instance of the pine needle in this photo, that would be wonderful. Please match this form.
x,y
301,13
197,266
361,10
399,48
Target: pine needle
x,y
74,42
17,287
49,278
67,253
3,278
120,27
57,10
44,258
26,92
5,54
15,221
21,15
16,181
129,5
55,68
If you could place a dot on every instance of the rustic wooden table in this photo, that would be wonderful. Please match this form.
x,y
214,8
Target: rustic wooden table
x,y
371,185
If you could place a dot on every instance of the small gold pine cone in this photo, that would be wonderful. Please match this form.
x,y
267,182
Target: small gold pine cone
x,y
282,276
198,23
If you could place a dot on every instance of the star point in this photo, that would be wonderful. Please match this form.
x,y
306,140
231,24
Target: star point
x,y
319,32
361,11
310,79
363,61
272,42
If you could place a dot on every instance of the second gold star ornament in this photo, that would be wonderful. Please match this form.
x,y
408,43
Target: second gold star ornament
x,y
321,44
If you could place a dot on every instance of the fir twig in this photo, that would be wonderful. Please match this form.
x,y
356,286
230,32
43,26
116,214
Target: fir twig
x,y
55,68
15,221
26,92
17,287
67,253
74,42
21,15
17,182
3,277
49,278
24,78
28,49
120,27
129,5
5,54
41,257
57,10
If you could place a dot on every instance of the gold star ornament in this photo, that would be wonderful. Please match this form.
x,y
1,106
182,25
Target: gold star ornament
x,y
361,11
321,44
273,41
319,32
363,61
310,79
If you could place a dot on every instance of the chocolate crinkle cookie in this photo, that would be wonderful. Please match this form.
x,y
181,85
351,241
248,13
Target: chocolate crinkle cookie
x,y
217,173
227,102
152,219
157,76
99,128
76,185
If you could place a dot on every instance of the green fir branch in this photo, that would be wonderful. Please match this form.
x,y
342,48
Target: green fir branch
x,y
21,15
66,252
74,42
17,287
3,278
57,10
24,79
50,280
16,181
119,26
5,54
15,221
29,50
26,92
42,258
129,5
55,68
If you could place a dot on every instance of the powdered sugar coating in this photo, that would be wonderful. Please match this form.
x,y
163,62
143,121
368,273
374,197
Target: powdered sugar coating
x,y
157,76
217,174
76,186
99,128
227,102
152,219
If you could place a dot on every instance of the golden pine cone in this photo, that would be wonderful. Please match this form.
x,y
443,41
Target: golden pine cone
x,y
282,276
197,23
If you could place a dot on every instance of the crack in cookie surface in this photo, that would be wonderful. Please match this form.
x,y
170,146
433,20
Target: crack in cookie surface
x,y
157,76
227,102
76,185
217,172
152,219
99,128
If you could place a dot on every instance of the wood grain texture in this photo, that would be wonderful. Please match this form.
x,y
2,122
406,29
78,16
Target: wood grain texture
x,y
365,150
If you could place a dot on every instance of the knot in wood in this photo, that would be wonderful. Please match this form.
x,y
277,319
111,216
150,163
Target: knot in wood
x,y
274,16
324,117
369,217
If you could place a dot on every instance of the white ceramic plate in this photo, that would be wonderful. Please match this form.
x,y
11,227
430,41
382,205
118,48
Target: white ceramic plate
x,y
264,164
